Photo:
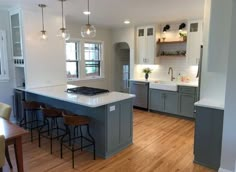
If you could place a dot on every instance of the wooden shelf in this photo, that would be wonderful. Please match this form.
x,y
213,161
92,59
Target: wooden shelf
x,y
172,42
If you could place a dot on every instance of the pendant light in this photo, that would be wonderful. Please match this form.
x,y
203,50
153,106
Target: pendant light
x,y
63,31
88,30
43,31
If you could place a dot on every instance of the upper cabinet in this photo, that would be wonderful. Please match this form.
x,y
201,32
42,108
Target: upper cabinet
x,y
17,43
146,47
194,42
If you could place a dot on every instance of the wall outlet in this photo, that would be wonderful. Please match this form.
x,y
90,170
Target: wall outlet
x,y
112,108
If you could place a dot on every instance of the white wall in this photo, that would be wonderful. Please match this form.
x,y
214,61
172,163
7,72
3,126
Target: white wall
x,y
213,84
45,60
228,156
102,34
126,35
6,87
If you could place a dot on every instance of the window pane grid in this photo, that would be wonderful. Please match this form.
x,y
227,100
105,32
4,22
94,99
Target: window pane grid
x,y
72,62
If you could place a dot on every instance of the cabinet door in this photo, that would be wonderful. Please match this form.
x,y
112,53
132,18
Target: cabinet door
x,y
171,102
150,45
194,42
15,19
186,105
126,124
156,100
113,127
140,89
208,137
141,45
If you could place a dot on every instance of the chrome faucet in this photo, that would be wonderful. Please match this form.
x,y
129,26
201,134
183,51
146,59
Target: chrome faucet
x,y
170,72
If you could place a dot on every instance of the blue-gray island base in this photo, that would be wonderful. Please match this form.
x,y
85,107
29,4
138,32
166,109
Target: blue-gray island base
x,y
111,124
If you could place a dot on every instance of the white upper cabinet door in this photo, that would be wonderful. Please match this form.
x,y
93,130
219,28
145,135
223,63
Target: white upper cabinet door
x,y
146,45
16,35
194,42
150,45
141,45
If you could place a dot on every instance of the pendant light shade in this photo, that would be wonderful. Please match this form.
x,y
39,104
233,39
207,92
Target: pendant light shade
x,y
43,31
88,30
63,32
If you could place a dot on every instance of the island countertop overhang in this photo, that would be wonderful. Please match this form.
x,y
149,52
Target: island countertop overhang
x,y
59,92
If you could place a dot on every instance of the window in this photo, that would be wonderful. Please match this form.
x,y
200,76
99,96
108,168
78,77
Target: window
x,y
89,65
72,60
3,57
92,57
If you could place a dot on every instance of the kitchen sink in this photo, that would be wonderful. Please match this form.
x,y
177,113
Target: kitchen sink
x,y
164,85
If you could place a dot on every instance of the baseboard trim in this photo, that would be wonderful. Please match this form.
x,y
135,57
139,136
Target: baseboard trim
x,y
223,170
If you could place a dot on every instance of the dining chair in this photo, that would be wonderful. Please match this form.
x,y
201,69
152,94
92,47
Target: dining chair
x,y
2,148
5,112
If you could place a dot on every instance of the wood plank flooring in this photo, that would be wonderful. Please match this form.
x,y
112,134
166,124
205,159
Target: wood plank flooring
x,y
161,144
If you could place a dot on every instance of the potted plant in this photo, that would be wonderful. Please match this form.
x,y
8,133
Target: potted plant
x,y
147,71
183,35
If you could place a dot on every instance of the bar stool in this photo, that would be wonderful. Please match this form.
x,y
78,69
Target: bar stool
x,y
54,131
31,108
76,121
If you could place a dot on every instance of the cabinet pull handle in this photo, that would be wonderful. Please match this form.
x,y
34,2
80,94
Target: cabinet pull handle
x,y
138,83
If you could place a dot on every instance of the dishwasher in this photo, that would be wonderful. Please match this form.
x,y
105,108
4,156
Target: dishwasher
x,y
141,90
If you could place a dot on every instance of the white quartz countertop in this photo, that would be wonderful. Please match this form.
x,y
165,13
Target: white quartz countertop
x,y
209,103
59,92
190,84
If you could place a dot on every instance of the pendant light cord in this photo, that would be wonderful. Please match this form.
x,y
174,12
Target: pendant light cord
x,y
88,11
62,13
42,19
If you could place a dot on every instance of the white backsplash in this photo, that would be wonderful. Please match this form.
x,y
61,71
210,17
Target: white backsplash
x,y
160,72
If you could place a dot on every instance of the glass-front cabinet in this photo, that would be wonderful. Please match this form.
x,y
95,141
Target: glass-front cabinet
x,y
16,33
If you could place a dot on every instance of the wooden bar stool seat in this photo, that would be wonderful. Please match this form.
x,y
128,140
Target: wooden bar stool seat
x,y
31,109
73,122
51,127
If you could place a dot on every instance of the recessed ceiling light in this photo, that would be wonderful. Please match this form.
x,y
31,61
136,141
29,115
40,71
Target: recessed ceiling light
x,y
126,22
87,12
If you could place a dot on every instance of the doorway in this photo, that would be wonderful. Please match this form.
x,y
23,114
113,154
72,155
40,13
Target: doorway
x,y
122,67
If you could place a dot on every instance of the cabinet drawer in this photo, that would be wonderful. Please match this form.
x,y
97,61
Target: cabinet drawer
x,y
187,90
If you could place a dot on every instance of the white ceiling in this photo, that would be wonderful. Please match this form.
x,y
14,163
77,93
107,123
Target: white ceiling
x,y
112,13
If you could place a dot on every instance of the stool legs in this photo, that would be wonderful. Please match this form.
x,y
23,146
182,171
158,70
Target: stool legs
x,y
93,142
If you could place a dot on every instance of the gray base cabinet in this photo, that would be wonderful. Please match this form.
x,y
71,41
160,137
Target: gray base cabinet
x,y
163,101
208,137
187,97
179,103
18,110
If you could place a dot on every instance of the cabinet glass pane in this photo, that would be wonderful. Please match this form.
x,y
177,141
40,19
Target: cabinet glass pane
x,y
16,37
141,32
193,27
149,31
15,20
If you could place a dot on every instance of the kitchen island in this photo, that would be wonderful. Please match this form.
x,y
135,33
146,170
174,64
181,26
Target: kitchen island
x,y
111,114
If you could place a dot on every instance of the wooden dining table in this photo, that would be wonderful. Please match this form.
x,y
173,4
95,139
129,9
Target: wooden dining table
x,y
13,135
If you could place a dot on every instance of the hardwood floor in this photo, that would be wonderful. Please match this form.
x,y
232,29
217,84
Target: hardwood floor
x,y
161,143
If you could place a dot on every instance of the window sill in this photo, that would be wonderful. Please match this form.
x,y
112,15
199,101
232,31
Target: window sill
x,y
85,79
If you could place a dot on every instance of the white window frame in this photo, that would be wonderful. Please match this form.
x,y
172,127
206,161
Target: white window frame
x,y
4,72
81,60
101,60
78,53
